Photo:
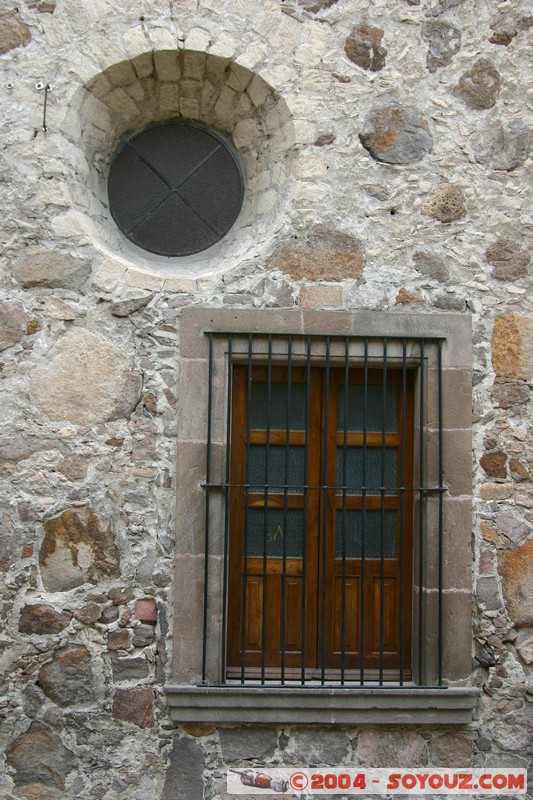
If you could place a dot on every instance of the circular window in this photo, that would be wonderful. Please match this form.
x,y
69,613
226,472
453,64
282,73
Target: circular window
x,y
175,189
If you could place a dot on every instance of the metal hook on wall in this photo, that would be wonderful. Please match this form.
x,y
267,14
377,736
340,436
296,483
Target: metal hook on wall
x,y
47,88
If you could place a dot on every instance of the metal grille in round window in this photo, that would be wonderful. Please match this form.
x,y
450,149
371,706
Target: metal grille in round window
x,y
175,189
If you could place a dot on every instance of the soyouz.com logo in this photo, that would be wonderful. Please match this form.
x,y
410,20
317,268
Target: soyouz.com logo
x,y
306,781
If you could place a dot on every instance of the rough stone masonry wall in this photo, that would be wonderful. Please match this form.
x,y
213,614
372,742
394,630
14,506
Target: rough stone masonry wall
x,y
387,152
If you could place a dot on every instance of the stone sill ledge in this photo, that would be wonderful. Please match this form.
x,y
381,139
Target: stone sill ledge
x,y
320,706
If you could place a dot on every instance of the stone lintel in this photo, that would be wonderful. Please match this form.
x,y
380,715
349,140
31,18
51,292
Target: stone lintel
x,y
321,706
454,328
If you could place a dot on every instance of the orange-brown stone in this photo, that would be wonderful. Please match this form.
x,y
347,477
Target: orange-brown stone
x,y
494,464
405,298
198,730
42,619
13,32
313,296
39,758
512,346
68,680
516,569
324,254
78,548
446,203
488,532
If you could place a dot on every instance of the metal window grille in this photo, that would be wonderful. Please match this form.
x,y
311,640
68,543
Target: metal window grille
x,y
415,360
175,189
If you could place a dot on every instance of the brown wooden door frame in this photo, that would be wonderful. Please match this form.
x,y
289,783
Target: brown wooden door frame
x,y
390,576
246,576
242,570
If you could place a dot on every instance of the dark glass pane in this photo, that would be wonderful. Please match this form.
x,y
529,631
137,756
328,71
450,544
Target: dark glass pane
x,y
278,406
276,468
129,205
355,416
374,460
280,525
173,226
215,191
353,534
174,150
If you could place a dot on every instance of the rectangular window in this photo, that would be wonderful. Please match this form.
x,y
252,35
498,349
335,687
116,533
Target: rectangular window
x,y
320,525
323,529
325,508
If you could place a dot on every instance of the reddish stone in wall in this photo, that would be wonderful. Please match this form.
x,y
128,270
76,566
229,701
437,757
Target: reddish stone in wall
x,y
509,261
480,86
13,323
146,610
68,678
494,464
405,298
39,757
135,706
119,640
452,750
40,618
363,47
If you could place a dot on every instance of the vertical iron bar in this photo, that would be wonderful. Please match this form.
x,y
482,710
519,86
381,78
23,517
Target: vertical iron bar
x,y
382,515
207,502
285,501
305,504
363,515
402,507
441,509
226,512
421,513
264,605
246,496
47,89
344,489
325,517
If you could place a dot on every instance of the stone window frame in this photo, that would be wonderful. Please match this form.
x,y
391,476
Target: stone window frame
x,y
191,701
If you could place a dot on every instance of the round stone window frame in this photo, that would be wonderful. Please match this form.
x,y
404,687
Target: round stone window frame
x,y
227,149
205,88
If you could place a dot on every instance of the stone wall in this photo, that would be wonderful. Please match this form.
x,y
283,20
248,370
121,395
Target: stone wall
x,y
387,157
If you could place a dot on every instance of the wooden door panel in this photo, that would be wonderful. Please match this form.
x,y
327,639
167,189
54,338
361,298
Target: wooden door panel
x,y
293,615
254,605
278,627
390,616
351,617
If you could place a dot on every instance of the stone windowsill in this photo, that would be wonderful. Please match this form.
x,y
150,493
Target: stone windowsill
x,y
321,706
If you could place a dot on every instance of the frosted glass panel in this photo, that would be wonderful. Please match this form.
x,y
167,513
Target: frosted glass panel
x,y
374,408
276,468
353,534
278,526
278,406
374,460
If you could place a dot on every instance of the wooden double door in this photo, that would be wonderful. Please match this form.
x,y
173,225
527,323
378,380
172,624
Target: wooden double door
x,y
320,523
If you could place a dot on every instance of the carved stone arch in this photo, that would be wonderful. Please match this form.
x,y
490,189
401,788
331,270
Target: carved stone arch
x,y
217,92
